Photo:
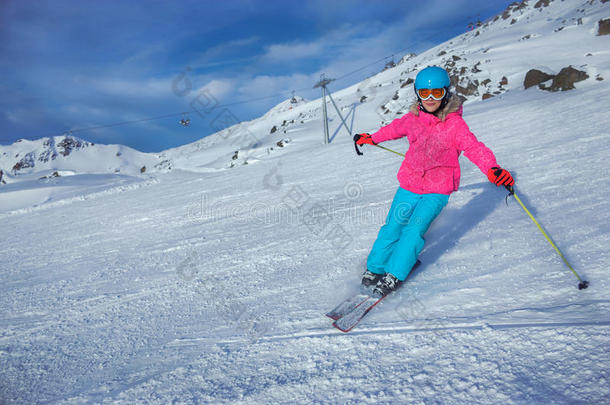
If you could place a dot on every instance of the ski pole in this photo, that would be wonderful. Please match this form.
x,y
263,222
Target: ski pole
x,y
389,150
379,146
582,284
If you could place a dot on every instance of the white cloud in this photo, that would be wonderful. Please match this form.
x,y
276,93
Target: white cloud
x,y
216,55
84,110
293,51
264,85
17,116
296,50
135,88
219,88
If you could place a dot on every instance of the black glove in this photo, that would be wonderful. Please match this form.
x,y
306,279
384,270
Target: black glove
x,y
362,139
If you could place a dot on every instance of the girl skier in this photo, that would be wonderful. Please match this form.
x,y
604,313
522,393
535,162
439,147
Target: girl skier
x,y
430,172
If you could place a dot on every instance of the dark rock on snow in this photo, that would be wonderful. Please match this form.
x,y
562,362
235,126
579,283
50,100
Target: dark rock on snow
x,y
604,27
535,77
564,80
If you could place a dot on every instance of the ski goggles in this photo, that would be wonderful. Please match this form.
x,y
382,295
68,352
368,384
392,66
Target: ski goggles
x,y
436,94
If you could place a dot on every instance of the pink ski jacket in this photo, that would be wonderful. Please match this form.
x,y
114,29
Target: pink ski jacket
x,y
435,143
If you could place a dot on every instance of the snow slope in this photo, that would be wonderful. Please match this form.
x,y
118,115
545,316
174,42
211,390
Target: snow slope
x,y
208,284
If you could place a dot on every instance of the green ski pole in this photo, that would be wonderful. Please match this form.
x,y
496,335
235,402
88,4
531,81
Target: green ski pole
x,y
582,284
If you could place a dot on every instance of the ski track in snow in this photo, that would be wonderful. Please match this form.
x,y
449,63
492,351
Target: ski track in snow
x,y
210,286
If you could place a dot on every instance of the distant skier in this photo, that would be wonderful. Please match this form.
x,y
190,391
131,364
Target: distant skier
x,y
430,172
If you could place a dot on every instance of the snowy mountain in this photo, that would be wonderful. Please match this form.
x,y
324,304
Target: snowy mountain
x,y
61,169
69,153
208,283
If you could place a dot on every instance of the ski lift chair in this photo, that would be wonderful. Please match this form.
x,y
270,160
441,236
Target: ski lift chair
x,y
185,121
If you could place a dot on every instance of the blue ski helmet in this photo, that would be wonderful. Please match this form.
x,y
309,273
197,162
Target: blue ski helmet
x,y
432,77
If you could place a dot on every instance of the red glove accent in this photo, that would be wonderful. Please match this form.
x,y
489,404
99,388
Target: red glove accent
x,y
362,139
500,177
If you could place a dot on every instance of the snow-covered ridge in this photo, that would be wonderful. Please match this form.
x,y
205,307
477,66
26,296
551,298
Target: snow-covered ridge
x,y
72,154
286,105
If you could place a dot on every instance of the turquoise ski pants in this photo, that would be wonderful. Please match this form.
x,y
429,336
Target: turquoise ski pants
x,y
401,239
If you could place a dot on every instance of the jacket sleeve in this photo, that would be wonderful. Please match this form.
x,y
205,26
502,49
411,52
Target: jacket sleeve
x,y
473,149
394,130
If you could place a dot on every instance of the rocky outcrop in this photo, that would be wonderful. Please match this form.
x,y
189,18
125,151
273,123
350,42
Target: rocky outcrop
x,y
542,3
50,176
562,81
26,162
603,27
467,87
535,77
69,144
50,151
566,78
406,83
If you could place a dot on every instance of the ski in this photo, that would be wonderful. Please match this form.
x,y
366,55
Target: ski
x,y
347,306
350,312
348,321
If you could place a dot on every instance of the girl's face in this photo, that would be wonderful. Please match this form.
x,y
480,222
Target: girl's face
x,y
431,105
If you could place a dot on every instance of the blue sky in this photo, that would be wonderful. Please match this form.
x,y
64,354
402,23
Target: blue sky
x,y
73,64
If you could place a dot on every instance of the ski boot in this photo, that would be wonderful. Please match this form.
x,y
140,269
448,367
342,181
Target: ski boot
x,y
369,278
386,285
